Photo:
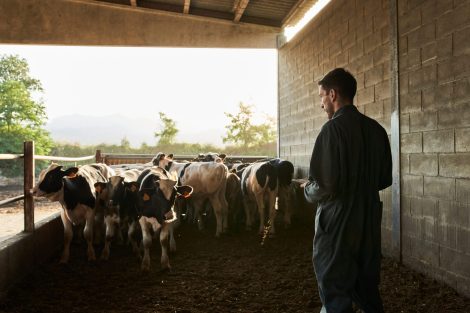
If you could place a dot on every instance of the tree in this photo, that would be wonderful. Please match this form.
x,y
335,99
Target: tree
x,y
22,117
242,132
168,130
125,144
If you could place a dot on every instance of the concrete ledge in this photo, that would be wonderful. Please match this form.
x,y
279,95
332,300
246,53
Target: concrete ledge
x,y
21,253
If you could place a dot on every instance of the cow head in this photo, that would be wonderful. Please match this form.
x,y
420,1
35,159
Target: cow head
x,y
162,160
157,195
50,181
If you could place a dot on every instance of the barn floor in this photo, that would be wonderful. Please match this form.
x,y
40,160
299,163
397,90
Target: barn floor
x,y
231,274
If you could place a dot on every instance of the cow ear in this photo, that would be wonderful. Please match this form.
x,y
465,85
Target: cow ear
x,y
132,186
99,187
234,171
71,172
170,156
184,191
222,156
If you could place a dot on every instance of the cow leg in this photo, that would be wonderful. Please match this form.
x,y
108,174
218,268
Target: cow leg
x,y
224,208
198,208
131,234
88,233
111,223
68,234
171,234
164,233
147,242
98,228
248,213
272,214
218,211
260,205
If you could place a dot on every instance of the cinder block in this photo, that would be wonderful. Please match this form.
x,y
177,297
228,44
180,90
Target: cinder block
x,y
365,96
402,45
374,75
404,123
374,110
422,36
423,78
439,187
447,232
438,141
405,163
452,20
411,143
410,102
372,41
356,51
412,185
454,117
455,261
445,73
381,54
463,235
408,22
444,47
461,91
462,140
429,53
423,164
425,251
429,102
454,165
462,192
410,61
422,121
431,10
461,43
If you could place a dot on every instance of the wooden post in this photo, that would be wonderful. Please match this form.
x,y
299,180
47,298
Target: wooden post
x,y
28,186
98,157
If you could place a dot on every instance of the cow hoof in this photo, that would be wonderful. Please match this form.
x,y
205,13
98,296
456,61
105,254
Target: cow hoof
x,y
104,257
145,268
165,270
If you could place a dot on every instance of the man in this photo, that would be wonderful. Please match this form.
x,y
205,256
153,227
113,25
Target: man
x,y
351,162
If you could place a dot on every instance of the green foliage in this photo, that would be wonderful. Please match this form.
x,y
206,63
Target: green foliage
x,y
243,133
21,117
168,130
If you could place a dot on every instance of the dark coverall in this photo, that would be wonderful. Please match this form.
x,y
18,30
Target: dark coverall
x,y
351,162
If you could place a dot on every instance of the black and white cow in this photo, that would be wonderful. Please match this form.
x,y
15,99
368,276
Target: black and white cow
x,y
260,184
157,193
74,189
120,198
208,180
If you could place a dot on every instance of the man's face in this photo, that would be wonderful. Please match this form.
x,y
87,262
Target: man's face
x,y
326,101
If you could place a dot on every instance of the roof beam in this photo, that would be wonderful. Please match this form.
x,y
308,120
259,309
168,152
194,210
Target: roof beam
x,y
239,7
293,11
186,6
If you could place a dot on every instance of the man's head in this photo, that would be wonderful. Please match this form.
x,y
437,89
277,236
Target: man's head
x,y
336,89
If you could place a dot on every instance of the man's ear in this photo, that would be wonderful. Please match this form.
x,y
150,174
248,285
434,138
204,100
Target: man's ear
x,y
333,94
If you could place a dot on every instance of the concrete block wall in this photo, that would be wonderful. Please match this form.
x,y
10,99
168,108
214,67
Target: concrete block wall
x,y
348,33
434,77
434,58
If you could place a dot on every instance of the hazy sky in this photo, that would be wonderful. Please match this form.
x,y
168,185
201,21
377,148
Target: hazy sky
x,y
192,86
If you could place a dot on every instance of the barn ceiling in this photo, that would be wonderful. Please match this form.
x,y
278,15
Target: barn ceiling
x,y
276,13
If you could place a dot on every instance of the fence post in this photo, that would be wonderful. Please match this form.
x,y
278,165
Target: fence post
x,y
98,157
28,185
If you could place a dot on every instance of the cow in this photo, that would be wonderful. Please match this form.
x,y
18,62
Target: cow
x,y
73,188
119,196
156,197
234,200
260,183
208,180
210,157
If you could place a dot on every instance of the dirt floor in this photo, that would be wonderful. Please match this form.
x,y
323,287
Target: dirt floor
x,y
230,274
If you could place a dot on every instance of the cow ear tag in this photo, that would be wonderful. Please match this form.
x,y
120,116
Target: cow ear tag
x,y
146,197
186,194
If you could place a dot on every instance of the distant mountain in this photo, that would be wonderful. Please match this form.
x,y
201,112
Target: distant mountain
x,y
110,129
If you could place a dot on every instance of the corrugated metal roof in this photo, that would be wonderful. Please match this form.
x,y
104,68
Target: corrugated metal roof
x,y
262,12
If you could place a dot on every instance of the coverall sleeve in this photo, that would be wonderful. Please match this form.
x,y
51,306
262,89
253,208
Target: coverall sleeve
x,y
324,168
386,173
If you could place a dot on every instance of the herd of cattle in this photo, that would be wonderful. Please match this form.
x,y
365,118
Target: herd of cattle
x,y
148,199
